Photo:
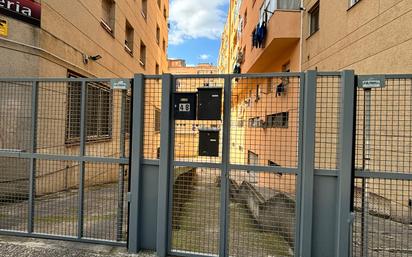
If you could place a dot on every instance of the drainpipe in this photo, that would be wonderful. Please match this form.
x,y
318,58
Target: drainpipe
x,y
302,9
229,27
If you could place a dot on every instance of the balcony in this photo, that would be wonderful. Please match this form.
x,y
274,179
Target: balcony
x,y
283,33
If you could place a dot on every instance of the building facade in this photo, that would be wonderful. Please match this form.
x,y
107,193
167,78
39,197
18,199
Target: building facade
x,y
370,37
66,39
366,36
102,38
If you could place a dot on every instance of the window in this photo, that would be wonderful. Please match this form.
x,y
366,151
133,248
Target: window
x,y
285,68
108,15
353,2
129,38
164,45
159,3
164,12
278,120
142,54
157,34
144,9
157,69
252,158
98,111
157,120
273,164
314,18
255,122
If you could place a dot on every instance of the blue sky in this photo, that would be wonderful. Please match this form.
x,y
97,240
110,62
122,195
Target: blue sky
x,y
196,27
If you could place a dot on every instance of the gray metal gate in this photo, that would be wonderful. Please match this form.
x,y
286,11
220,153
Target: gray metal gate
x,y
383,185
222,202
64,147
265,171
268,165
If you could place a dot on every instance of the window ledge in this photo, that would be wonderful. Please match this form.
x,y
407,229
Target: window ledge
x,y
144,15
313,34
128,50
107,28
353,6
142,63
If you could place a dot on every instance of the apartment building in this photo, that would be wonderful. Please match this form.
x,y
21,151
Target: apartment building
x,y
367,36
370,37
102,38
68,39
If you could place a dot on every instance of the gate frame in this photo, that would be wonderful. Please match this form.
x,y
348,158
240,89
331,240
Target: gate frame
x,y
81,158
165,201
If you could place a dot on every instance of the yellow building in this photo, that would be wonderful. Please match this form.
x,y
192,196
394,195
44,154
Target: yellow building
x,y
102,39
367,36
70,36
370,37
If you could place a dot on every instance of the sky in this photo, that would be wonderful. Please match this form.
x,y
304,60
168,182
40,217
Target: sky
x,y
196,28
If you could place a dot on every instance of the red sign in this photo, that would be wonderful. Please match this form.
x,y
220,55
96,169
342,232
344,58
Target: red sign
x,y
24,10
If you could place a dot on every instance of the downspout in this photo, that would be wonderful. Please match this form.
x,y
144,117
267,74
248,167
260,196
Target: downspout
x,y
229,27
302,9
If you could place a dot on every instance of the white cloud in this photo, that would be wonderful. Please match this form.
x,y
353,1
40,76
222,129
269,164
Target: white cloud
x,y
191,19
204,57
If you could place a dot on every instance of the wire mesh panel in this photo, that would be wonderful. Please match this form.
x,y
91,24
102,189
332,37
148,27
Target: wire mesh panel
x,y
195,213
328,99
262,215
44,121
383,149
265,121
187,142
383,218
56,197
15,115
152,121
58,118
14,192
105,202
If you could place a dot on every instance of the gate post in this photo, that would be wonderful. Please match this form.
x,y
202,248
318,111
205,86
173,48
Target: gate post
x,y
136,138
309,120
164,168
346,161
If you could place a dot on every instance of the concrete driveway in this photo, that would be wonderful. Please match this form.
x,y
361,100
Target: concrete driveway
x,y
29,247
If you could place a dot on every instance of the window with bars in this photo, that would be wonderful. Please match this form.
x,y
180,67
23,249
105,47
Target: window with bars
x,y
278,120
98,112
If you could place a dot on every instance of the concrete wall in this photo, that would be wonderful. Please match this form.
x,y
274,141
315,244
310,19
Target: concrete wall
x,y
371,37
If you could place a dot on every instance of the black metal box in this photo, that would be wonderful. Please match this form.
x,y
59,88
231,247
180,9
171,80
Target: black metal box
x,y
209,142
210,103
184,106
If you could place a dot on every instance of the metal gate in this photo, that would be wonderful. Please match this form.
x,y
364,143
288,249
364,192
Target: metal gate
x,y
235,164
64,147
383,185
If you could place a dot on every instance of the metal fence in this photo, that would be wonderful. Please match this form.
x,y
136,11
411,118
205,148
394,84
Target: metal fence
x,y
64,147
283,164
383,186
